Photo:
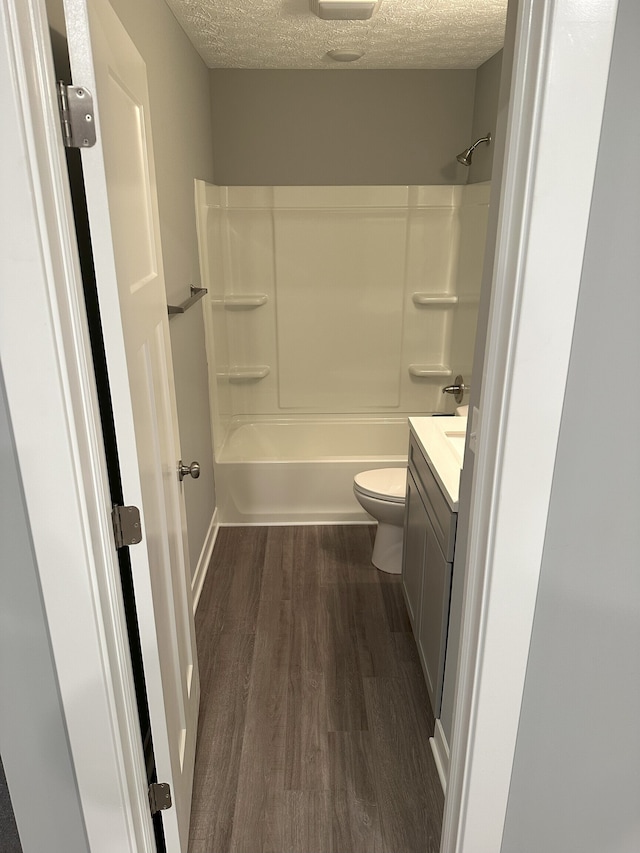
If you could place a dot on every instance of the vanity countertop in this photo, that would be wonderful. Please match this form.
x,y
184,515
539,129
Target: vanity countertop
x,y
442,443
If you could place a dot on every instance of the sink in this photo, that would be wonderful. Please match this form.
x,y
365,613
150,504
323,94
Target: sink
x,y
456,439
442,442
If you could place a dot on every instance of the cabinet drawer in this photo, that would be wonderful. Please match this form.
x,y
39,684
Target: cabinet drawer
x,y
442,517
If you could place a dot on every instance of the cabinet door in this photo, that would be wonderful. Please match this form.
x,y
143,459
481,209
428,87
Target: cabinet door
x,y
434,619
414,548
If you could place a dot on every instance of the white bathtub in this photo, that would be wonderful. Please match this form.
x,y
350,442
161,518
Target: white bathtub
x,y
301,471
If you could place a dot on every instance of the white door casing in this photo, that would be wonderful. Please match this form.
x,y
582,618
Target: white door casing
x,y
66,464
50,386
122,204
561,61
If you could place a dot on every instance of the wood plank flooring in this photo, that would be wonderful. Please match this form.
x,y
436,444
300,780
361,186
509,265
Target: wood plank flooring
x,y
314,717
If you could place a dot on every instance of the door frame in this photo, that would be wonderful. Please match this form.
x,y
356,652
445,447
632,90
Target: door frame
x,y
561,58
561,53
47,365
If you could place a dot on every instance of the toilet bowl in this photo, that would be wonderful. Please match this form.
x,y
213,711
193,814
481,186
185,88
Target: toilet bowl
x,y
381,493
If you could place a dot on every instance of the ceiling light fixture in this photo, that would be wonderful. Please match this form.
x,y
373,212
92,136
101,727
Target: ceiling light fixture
x,y
344,10
345,54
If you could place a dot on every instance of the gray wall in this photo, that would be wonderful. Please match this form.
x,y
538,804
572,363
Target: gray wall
x,y
181,127
340,127
485,110
33,739
503,89
576,779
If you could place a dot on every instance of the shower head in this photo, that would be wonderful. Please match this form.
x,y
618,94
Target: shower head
x,y
467,155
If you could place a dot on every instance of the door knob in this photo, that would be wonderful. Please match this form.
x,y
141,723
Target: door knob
x,y
184,470
457,389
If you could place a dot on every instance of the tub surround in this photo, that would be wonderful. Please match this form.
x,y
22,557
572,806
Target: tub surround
x,y
325,304
338,300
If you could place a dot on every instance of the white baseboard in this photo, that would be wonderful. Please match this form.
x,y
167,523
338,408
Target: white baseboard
x,y
205,558
440,749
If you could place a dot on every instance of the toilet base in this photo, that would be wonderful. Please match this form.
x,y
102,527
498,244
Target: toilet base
x,y
387,548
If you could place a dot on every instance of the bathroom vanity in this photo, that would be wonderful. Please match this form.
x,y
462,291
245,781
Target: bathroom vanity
x,y
436,447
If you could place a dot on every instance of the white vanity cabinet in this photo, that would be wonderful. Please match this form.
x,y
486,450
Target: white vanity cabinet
x,y
429,540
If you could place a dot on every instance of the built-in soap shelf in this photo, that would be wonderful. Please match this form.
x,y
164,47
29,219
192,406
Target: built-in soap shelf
x,y
424,300
240,301
429,371
246,374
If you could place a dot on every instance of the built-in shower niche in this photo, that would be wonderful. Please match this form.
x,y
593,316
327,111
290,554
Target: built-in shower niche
x,y
346,306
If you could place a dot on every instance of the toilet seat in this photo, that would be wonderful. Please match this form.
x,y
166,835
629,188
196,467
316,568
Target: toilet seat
x,y
385,484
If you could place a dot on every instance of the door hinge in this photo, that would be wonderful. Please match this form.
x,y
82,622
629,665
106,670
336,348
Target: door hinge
x,y
75,104
159,797
127,529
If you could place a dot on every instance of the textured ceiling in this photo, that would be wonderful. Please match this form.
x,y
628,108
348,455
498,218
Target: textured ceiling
x,y
285,34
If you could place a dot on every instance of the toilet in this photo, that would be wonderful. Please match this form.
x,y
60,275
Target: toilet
x,y
382,493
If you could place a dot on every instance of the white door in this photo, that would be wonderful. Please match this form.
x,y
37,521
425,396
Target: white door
x,y
122,204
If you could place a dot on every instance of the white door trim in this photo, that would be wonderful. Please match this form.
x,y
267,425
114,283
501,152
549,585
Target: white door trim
x,y
557,109
48,371
561,62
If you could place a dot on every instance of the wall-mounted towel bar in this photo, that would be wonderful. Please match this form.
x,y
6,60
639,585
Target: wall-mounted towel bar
x,y
196,295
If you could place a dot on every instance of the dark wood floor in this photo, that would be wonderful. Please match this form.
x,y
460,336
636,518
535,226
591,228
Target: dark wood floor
x,y
314,718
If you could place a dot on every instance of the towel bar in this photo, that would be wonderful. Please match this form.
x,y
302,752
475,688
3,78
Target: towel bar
x,y
196,295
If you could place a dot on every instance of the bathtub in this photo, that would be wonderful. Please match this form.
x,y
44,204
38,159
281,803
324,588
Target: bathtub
x,y
300,471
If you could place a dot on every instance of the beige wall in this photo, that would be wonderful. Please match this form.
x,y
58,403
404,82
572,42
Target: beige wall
x,y
485,111
340,127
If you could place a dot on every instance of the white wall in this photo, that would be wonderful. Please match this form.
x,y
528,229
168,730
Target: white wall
x,y
575,786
